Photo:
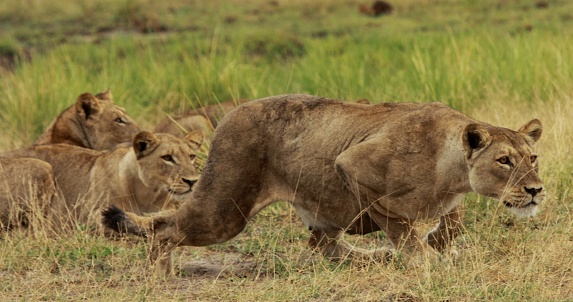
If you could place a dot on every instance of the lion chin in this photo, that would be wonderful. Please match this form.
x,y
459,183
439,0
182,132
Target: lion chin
x,y
180,195
523,210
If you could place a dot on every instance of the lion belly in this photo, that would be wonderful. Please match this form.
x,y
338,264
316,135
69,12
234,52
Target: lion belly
x,y
360,223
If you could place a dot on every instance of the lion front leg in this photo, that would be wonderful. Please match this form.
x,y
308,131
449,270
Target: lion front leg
x,y
448,228
160,256
405,239
332,246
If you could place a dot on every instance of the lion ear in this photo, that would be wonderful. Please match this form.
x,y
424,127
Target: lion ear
x,y
531,131
144,143
476,137
196,138
106,95
87,105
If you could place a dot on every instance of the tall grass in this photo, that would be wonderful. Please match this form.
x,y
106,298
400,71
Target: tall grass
x,y
502,62
166,72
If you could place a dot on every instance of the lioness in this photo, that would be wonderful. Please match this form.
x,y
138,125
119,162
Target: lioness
x,y
27,185
93,122
26,191
154,173
205,119
349,168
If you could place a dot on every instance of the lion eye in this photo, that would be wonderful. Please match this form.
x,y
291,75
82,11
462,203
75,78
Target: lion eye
x,y
504,160
533,158
119,120
167,158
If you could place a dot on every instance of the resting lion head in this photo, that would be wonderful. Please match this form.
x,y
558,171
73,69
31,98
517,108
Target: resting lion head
x,y
93,122
503,165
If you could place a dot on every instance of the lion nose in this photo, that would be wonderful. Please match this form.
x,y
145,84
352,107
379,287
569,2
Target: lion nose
x,y
533,191
189,182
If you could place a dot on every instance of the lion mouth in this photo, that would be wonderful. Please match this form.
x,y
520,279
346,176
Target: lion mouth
x,y
174,192
522,205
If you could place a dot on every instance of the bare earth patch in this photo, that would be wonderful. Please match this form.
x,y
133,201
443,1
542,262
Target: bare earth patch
x,y
220,265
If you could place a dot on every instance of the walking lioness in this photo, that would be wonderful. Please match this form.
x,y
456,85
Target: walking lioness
x,y
349,168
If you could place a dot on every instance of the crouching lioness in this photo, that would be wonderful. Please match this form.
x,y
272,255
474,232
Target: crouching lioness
x,y
154,173
349,168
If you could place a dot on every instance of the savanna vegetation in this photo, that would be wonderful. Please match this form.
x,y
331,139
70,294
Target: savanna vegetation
x,y
500,61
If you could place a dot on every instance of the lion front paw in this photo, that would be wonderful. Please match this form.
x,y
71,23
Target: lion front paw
x,y
380,255
449,255
421,257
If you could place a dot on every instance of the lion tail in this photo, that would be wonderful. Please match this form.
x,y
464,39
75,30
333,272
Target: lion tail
x,y
125,223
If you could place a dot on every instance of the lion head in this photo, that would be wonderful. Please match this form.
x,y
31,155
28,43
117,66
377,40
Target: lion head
x,y
168,162
94,122
104,123
503,165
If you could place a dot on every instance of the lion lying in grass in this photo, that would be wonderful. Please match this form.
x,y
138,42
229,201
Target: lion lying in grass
x,y
349,168
26,192
155,173
205,119
93,122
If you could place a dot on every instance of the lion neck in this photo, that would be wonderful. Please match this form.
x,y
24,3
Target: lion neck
x,y
132,189
452,171
67,129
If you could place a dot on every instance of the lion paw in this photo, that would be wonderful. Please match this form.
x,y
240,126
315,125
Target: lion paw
x,y
422,257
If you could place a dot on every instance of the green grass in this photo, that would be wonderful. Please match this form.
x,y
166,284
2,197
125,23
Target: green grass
x,y
166,72
503,62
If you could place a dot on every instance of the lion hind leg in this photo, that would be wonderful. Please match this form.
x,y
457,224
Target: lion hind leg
x,y
332,246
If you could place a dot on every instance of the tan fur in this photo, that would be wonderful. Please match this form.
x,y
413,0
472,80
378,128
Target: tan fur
x,y
155,173
93,122
26,192
205,119
351,168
